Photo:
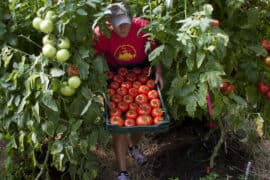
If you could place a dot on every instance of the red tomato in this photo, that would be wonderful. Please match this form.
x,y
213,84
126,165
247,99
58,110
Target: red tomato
x,y
136,84
157,112
111,92
153,94
146,71
123,106
133,106
215,23
114,85
155,102
158,119
137,70
117,120
133,92
144,120
72,71
231,88
116,98
142,78
130,122
151,84
122,91
131,76
128,99
141,98
144,109
118,78
211,125
122,71
110,75
126,84
224,86
266,44
268,94
262,87
115,112
131,114
143,89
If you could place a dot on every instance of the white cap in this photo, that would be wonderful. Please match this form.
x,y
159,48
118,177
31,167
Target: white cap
x,y
118,14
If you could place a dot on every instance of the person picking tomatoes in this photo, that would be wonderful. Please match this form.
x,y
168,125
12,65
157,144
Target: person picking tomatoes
x,y
125,47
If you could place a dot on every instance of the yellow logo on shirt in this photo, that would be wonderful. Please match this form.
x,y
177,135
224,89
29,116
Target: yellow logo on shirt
x,y
125,53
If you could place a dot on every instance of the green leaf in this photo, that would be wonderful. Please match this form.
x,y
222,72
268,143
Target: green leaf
x,y
212,77
56,72
200,56
57,147
70,154
47,99
86,107
35,110
84,146
77,125
100,64
238,99
92,139
155,53
82,12
49,128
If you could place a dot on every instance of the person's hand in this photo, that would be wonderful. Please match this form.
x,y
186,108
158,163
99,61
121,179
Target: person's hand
x,y
159,78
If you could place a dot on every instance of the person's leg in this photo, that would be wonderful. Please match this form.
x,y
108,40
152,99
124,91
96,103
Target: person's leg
x,y
120,145
134,150
134,139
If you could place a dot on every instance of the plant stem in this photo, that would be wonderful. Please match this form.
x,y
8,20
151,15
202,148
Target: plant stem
x,y
44,165
185,9
30,40
18,50
218,145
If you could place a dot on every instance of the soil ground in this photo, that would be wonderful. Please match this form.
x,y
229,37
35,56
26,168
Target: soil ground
x,y
179,154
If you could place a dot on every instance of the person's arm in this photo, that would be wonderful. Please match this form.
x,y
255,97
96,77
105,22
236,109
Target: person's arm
x,y
158,76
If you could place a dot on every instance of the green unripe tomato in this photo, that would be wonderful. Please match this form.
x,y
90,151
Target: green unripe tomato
x,y
62,55
46,26
36,22
50,15
67,90
63,43
49,39
74,82
48,50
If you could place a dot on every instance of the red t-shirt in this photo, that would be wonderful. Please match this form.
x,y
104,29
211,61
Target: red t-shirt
x,y
123,51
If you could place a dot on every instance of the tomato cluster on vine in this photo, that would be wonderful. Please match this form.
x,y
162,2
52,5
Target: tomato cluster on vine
x,y
57,47
264,89
266,44
227,88
134,99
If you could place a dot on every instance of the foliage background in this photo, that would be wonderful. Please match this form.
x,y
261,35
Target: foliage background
x,y
196,58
